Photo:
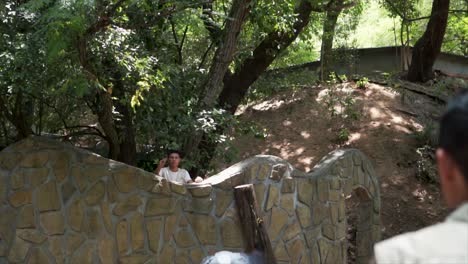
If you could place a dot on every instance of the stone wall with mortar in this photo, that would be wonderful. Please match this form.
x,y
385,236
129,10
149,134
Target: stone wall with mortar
x,y
60,204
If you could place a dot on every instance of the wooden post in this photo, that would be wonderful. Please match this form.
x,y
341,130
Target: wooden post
x,y
253,228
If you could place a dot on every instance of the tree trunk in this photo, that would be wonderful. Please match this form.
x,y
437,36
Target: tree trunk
x,y
106,120
221,60
253,227
326,51
237,85
428,47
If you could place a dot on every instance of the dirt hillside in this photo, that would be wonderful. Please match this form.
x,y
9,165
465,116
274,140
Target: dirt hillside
x,y
301,131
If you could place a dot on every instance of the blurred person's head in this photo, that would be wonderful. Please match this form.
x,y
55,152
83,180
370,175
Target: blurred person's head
x,y
173,158
452,153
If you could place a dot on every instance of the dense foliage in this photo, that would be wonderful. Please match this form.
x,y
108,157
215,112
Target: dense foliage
x,y
125,78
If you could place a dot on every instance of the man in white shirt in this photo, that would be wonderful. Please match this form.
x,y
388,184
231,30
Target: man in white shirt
x,y
446,242
173,173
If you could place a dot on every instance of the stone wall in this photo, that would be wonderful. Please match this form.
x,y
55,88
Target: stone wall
x,y
66,205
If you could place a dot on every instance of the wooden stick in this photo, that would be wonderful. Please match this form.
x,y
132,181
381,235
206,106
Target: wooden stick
x,y
253,227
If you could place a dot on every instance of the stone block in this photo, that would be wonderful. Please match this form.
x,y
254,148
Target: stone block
x,y
324,248
322,189
80,178
335,183
328,231
222,201
154,229
94,225
177,188
26,217
84,254
52,222
167,254
201,191
312,235
130,204
203,227
169,226
7,219
135,259
37,256
231,234
55,248
121,236
348,187
112,192
47,197
280,252
287,203
106,217
18,251
259,193
340,230
273,195
106,249
36,177
238,179
161,186
31,235
145,181
125,178
95,173
9,160
288,185
319,212
68,189
21,198
75,215
341,210
196,255
160,206
279,218
74,241
17,179
334,212
198,205
305,191
61,166
137,235
252,171
304,216
95,159
264,171
295,249
291,231
35,159
184,239
357,159
95,193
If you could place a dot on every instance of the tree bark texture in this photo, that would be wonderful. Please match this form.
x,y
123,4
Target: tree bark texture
x,y
427,48
222,58
326,51
253,228
237,85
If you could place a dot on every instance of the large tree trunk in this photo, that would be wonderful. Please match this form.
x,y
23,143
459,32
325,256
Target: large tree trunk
x,y
221,60
237,85
326,51
428,47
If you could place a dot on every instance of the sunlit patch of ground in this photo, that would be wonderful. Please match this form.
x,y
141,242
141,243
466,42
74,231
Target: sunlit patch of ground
x,y
301,131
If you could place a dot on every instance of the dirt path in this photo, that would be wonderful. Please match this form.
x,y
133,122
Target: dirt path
x,y
301,132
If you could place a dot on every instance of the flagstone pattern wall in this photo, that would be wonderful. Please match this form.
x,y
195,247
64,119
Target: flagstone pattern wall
x,y
60,204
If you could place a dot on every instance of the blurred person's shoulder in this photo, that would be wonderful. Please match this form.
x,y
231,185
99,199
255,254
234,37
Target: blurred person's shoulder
x,y
446,242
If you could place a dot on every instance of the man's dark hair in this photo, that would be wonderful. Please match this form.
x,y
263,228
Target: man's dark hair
x,y
174,151
453,133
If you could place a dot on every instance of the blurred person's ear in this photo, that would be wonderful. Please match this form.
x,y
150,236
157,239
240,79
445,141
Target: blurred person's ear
x,y
453,184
